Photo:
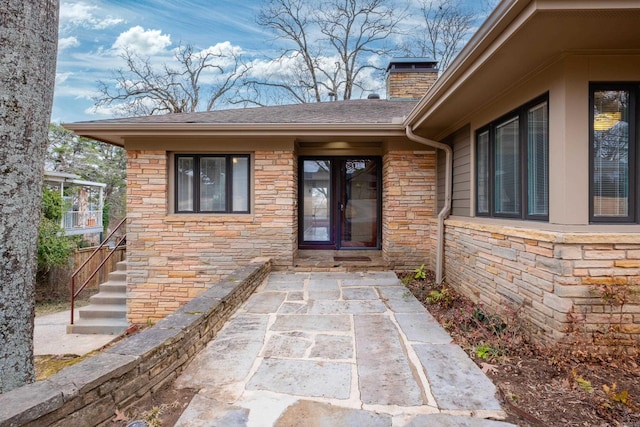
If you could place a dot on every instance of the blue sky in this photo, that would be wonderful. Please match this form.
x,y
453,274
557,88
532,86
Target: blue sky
x,y
93,32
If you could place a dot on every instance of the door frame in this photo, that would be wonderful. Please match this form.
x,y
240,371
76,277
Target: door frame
x,y
337,191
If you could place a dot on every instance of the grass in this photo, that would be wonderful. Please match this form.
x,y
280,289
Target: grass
x,y
55,306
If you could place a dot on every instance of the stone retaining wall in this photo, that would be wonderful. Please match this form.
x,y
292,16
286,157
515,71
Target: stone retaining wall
x,y
560,282
89,392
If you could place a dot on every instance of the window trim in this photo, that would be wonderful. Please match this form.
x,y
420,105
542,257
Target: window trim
x,y
634,152
196,183
521,114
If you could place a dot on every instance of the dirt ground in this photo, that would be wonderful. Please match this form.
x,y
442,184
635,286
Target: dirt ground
x,y
161,409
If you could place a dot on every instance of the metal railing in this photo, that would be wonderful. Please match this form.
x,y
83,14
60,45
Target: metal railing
x,y
119,241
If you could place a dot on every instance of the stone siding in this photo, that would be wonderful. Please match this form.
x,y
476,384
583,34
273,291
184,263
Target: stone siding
x,y
554,279
409,202
409,85
173,258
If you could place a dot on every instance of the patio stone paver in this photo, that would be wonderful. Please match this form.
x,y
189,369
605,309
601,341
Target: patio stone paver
x,y
367,293
265,302
462,388
422,327
311,322
347,307
329,415
325,349
288,345
303,378
228,359
384,372
332,347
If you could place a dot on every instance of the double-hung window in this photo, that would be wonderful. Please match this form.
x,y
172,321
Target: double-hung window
x,y
211,183
512,164
613,153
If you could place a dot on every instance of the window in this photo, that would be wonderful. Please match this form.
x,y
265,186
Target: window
x,y
212,183
512,164
613,153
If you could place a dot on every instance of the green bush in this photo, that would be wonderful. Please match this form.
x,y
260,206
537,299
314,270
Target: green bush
x,y
52,204
54,248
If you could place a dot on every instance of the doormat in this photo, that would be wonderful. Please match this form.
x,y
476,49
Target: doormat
x,y
351,258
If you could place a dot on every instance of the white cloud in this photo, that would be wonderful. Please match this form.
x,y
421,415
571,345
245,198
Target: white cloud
x,y
139,40
106,111
225,49
81,14
62,77
67,42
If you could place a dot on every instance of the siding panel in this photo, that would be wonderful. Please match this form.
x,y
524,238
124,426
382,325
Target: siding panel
x,y
461,143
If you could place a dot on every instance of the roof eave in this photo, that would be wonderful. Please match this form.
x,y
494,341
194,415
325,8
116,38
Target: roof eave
x,y
464,62
497,34
117,133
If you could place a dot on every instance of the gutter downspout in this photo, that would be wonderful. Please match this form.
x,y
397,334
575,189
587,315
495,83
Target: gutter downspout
x,y
444,213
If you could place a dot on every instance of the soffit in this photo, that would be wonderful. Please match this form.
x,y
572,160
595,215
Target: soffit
x,y
539,35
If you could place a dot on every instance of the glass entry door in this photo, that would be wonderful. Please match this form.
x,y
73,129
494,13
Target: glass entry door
x,y
340,203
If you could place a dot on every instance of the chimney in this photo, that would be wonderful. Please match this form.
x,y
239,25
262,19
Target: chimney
x,y
410,78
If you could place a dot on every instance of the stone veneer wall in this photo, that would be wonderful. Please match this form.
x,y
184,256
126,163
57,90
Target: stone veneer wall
x,y
548,275
409,84
409,203
173,258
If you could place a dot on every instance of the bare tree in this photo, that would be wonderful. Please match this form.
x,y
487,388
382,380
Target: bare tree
x,y
330,40
291,21
142,88
29,34
355,28
445,27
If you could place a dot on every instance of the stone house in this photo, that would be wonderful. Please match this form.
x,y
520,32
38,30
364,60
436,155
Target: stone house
x,y
515,175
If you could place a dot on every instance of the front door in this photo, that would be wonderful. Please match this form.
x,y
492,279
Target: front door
x,y
340,202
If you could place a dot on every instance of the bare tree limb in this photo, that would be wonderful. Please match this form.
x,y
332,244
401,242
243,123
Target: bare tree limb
x,y
331,39
446,25
144,89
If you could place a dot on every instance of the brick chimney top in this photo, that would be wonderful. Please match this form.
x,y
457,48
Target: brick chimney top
x,y
410,78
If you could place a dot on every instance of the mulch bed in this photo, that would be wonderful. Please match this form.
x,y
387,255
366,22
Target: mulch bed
x,y
562,385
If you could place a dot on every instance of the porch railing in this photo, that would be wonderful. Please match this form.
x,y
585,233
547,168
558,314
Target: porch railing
x,y
72,220
119,240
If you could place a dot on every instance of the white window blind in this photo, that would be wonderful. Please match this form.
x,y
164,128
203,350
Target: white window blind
x,y
507,167
538,160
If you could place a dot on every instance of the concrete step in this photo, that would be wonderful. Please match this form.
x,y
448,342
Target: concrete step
x,y
111,286
109,298
98,326
107,311
117,276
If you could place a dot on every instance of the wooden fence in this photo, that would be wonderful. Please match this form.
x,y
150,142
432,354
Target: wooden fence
x,y
81,256
57,284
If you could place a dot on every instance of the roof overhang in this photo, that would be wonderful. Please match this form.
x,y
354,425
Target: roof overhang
x,y
118,133
518,40
70,178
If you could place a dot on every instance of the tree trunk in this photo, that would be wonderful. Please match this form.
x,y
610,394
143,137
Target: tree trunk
x,y
28,45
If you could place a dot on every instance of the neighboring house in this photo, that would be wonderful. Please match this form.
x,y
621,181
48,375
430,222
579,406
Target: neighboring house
x,y
516,176
84,202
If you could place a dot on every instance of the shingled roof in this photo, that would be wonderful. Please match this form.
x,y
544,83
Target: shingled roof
x,y
339,112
